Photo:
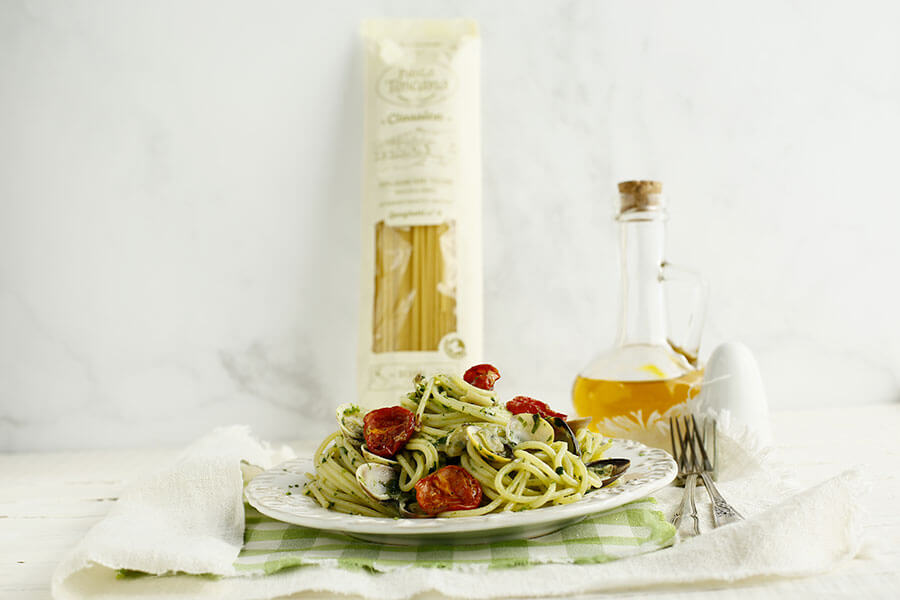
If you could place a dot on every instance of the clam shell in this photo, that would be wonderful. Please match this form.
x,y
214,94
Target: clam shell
x,y
489,443
374,458
562,432
378,481
611,468
527,427
350,421
456,441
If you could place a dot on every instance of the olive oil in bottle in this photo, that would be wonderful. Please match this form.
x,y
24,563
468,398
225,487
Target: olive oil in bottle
x,y
632,400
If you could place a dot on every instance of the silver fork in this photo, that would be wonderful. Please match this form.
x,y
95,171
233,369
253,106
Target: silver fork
x,y
723,513
687,473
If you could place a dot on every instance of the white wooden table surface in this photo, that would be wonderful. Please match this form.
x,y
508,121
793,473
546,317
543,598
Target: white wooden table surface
x,y
49,501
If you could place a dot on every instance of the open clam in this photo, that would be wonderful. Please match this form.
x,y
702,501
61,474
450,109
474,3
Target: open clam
x,y
563,432
381,482
527,427
456,441
488,441
374,458
609,469
350,421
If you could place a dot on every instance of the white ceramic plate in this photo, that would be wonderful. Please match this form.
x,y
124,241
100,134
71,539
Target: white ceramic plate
x,y
651,469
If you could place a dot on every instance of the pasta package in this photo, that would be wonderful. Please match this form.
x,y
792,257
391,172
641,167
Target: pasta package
x,y
421,206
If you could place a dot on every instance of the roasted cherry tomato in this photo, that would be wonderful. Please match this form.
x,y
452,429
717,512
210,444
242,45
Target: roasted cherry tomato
x,y
524,404
482,376
388,429
449,488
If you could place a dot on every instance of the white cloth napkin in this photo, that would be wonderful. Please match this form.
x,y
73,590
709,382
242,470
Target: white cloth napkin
x,y
189,519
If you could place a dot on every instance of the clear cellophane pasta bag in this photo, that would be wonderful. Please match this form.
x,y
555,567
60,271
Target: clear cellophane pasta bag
x,y
421,207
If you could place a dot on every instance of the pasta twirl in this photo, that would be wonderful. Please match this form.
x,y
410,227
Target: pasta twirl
x,y
520,461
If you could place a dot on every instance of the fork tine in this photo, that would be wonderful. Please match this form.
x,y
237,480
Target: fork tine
x,y
682,459
706,465
689,435
672,438
682,444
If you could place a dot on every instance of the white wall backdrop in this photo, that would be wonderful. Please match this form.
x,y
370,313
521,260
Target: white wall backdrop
x,y
179,200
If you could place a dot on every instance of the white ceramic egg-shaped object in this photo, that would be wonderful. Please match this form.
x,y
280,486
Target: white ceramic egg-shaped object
x,y
732,383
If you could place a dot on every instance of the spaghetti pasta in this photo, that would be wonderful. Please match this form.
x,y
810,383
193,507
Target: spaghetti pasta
x,y
415,294
521,461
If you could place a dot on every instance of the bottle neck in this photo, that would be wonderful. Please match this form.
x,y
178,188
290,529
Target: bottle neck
x,y
642,317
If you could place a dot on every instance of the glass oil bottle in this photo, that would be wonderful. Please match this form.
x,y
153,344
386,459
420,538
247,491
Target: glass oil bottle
x,y
645,376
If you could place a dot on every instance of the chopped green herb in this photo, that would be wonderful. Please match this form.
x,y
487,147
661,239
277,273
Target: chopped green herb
x,y
560,470
392,487
287,493
535,423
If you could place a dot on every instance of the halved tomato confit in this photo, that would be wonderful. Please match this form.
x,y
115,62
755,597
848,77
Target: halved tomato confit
x,y
449,488
388,429
482,376
524,404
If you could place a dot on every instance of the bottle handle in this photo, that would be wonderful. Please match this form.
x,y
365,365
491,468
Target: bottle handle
x,y
690,347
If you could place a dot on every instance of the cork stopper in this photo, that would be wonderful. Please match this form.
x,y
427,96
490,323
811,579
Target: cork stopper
x,y
640,196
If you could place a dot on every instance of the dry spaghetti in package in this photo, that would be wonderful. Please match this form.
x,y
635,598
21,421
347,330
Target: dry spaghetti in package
x,y
421,205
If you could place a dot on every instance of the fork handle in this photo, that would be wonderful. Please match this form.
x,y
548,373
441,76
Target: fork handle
x,y
723,513
688,506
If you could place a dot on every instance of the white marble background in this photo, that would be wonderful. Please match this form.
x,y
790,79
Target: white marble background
x,y
179,200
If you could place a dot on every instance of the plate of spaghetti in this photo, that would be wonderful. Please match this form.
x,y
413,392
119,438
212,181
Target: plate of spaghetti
x,y
453,463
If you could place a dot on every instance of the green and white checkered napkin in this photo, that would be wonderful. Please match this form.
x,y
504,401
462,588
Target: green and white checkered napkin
x,y
634,528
